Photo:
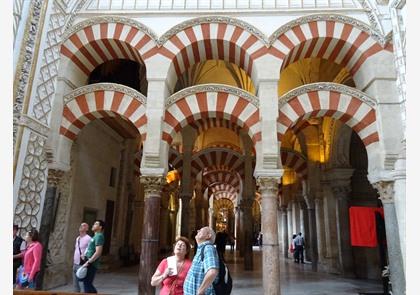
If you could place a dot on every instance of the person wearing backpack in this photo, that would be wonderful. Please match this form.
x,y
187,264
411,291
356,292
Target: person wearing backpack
x,y
205,265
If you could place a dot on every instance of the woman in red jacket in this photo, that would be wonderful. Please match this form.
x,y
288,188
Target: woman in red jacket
x,y
31,260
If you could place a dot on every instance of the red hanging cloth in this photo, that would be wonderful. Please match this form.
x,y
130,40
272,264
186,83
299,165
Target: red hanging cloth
x,y
363,226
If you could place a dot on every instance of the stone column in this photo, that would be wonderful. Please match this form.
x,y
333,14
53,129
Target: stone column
x,y
246,205
320,229
237,226
331,244
164,222
312,232
150,237
285,232
305,230
47,219
386,195
289,223
268,187
345,254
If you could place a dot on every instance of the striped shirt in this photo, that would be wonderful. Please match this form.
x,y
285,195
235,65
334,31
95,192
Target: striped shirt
x,y
199,269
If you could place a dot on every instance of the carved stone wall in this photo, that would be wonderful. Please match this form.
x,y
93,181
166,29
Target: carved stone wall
x,y
32,184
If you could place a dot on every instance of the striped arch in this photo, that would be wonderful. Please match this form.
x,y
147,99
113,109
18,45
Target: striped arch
x,y
211,101
100,39
216,176
337,38
225,187
100,100
205,124
340,102
296,161
206,38
225,195
137,162
223,159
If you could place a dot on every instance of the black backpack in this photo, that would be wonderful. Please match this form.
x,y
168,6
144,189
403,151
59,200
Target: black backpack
x,y
224,282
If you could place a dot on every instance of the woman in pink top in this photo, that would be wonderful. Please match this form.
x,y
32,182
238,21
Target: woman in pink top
x,y
173,284
32,257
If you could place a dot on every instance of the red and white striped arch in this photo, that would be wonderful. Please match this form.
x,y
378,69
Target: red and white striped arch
x,y
315,100
225,187
203,39
336,39
225,195
203,105
208,123
216,176
99,40
295,161
97,101
218,158
175,159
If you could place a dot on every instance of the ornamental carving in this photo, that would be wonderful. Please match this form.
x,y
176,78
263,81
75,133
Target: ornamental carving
x,y
211,88
385,190
373,32
110,19
213,19
54,177
33,124
152,185
327,86
32,184
105,87
268,185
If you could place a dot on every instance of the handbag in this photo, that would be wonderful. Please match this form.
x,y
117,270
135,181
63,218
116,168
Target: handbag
x,y
22,277
81,272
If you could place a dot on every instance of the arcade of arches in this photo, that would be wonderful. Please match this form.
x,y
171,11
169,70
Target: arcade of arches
x,y
216,124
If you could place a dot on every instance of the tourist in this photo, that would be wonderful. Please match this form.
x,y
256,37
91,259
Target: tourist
x,y
79,257
293,249
299,244
203,272
18,246
31,261
172,271
93,253
260,239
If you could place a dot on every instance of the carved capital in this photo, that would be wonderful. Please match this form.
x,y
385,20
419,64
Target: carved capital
x,y
268,185
152,185
54,177
385,190
341,192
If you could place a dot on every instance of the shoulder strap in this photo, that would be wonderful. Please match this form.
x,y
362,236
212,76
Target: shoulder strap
x,y
78,245
202,252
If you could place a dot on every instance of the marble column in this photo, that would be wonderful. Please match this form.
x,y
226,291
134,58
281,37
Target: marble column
x,y
331,244
345,253
237,227
289,223
397,272
268,187
164,243
47,219
150,237
284,232
246,205
320,229
305,230
312,232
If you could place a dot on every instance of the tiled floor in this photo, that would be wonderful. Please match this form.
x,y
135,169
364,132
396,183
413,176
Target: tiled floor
x,y
295,279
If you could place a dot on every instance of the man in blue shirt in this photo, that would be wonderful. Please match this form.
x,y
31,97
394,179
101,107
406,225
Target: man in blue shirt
x,y
203,272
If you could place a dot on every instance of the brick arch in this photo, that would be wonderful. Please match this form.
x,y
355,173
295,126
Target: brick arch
x,y
206,38
217,176
211,101
100,39
225,195
294,160
225,187
217,159
352,107
337,38
101,100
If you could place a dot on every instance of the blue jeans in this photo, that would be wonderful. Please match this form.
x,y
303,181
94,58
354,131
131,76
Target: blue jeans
x,y
88,281
76,281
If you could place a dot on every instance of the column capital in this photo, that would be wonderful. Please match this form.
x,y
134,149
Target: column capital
x,y
54,177
152,184
268,184
341,192
385,190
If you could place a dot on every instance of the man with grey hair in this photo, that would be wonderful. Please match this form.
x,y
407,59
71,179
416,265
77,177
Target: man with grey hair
x,y
205,265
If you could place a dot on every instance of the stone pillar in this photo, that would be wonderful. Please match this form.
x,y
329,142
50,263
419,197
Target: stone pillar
x,y
246,205
237,226
150,237
285,232
47,219
312,232
305,230
320,229
289,223
164,243
345,254
268,187
397,271
331,244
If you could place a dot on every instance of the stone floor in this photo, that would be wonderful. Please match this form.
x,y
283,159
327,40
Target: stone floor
x,y
295,279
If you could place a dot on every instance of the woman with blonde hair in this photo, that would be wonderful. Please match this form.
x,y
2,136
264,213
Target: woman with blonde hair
x,y
173,270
